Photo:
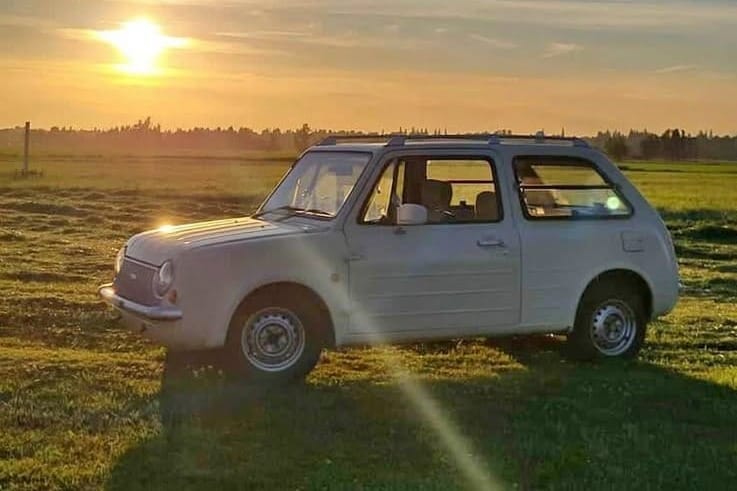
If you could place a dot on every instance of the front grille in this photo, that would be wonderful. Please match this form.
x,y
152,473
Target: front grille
x,y
135,282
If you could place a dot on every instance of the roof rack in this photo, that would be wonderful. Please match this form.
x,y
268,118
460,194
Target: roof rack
x,y
489,138
539,138
335,139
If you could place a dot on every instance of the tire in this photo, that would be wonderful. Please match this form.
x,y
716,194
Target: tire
x,y
274,338
610,323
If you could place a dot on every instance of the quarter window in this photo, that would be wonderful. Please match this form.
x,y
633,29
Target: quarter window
x,y
566,188
386,196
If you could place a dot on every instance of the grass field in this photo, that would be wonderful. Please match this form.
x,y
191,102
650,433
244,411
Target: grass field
x,y
84,404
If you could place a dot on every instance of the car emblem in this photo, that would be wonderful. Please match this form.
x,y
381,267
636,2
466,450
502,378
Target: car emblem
x,y
134,276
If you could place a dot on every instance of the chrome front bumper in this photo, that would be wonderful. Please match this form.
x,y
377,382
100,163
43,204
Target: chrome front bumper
x,y
153,313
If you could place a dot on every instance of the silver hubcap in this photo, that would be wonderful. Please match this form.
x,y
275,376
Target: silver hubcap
x,y
613,327
273,339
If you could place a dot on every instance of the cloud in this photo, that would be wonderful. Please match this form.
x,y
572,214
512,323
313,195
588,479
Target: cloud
x,y
675,68
25,21
195,45
606,14
265,34
341,40
76,34
561,49
496,43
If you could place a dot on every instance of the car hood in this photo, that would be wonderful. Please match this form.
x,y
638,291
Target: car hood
x,y
156,246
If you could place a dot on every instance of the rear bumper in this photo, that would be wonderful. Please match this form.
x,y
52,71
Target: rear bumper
x,y
666,299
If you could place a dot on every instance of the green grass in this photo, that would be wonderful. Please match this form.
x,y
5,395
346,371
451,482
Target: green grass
x,y
85,404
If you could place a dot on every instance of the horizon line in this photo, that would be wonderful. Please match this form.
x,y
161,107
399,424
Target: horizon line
x,y
408,130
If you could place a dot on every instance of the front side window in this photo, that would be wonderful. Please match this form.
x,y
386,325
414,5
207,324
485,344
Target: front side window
x,y
453,190
564,187
318,184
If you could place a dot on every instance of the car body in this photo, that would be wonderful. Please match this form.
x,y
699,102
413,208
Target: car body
x,y
551,218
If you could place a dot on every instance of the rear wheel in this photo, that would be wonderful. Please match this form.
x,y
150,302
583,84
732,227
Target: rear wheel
x,y
274,338
610,323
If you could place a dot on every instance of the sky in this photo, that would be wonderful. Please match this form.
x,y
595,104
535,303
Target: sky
x,y
460,65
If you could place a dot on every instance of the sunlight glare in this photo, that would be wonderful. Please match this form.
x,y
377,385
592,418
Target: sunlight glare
x,y
141,42
428,408
613,203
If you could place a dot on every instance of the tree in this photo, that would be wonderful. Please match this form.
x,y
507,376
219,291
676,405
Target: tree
x,y
650,146
302,138
616,146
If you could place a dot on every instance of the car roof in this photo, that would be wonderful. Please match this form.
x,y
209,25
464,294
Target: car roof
x,y
350,147
381,143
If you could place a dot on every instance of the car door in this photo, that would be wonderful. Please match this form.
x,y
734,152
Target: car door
x,y
458,274
574,223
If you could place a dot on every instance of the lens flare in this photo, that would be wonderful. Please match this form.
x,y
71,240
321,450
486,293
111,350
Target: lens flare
x,y
613,203
457,446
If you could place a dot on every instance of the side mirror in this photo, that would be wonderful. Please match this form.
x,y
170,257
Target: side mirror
x,y
411,214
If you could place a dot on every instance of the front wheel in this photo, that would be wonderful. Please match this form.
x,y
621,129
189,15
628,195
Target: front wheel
x,y
610,323
274,340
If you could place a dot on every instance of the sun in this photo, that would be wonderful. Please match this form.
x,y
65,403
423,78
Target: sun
x,y
141,42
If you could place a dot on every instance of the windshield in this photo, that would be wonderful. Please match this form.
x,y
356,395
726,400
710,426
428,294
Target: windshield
x,y
318,184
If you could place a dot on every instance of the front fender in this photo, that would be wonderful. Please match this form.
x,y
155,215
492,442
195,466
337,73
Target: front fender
x,y
216,279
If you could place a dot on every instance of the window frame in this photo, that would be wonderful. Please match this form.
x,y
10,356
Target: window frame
x,y
573,161
367,199
429,157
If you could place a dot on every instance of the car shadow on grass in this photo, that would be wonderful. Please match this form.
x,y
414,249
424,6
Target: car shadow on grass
x,y
547,424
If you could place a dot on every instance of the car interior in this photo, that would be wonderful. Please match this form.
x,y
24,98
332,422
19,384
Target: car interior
x,y
466,194
565,188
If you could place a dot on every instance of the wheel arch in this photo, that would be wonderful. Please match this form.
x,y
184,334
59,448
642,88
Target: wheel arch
x,y
625,276
301,291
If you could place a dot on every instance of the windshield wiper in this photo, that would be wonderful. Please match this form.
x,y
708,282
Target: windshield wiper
x,y
314,211
279,208
293,210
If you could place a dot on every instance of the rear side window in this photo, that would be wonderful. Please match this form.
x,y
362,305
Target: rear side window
x,y
564,187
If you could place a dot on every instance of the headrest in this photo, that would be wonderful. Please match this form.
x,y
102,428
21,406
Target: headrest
x,y
487,207
436,194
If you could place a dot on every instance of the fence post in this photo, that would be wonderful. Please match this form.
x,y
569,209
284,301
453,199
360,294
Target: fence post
x,y
25,147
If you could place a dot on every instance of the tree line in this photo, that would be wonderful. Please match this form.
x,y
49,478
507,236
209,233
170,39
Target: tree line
x,y
672,144
145,136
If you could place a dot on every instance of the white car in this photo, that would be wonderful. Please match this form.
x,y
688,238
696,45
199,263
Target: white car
x,y
409,239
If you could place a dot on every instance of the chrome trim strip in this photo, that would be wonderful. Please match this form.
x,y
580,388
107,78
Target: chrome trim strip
x,y
438,293
443,274
440,312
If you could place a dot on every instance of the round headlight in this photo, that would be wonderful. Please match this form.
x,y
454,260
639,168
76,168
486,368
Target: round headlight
x,y
119,260
163,278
